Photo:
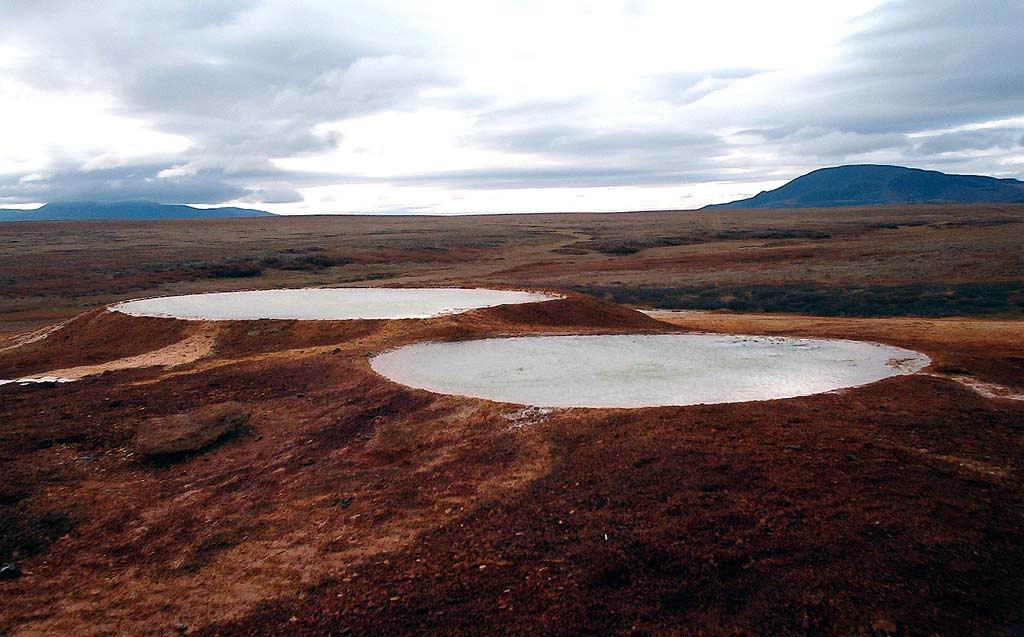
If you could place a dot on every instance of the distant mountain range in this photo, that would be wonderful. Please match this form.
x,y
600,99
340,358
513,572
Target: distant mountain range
x,y
130,210
869,184
855,185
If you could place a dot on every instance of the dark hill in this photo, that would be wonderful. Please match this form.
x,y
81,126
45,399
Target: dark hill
x,y
869,184
132,210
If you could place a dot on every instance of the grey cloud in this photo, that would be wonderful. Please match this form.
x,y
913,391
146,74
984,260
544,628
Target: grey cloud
x,y
555,176
259,182
273,195
577,141
242,82
973,140
909,66
686,88
527,112
826,143
114,184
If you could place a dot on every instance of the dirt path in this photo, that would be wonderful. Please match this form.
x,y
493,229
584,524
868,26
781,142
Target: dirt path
x,y
21,340
197,346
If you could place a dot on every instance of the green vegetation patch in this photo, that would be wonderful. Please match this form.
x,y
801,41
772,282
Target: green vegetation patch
x,y
632,246
1001,298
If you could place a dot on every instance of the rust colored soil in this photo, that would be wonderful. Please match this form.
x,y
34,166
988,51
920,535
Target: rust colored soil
x,y
351,505
92,338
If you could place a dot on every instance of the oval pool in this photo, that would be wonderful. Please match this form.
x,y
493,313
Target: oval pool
x,y
330,304
644,370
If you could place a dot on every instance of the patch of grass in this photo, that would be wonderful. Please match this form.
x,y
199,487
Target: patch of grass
x,y
797,233
977,223
370,276
622,248
311,259
231,271
633,246
1001,298
895,225
306,262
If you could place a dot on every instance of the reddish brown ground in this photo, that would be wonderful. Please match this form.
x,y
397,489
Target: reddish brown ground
x,y
352,505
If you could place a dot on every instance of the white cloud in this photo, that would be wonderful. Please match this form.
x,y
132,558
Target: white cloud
x,y
38,126
179,170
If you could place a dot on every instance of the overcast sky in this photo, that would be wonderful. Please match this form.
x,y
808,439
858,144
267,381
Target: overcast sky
x,y
495,106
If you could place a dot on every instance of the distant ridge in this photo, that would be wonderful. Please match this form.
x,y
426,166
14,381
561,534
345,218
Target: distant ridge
x,y
871,184
127,210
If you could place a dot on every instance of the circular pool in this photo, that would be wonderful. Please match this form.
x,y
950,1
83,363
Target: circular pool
x,y
644,370
329,304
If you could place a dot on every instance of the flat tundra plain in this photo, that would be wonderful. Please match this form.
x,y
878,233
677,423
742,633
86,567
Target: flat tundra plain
x,y
241,478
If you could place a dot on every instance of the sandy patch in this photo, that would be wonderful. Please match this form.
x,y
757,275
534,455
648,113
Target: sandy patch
x,y
183,352
982,388
32,337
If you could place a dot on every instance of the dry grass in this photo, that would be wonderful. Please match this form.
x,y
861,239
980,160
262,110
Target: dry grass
x,y
50,271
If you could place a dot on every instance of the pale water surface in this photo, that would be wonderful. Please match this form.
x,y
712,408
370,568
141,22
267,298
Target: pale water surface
x,y
36,379
639,371
326,303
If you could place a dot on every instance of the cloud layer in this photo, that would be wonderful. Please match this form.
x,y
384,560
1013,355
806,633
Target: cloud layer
x,y
493,106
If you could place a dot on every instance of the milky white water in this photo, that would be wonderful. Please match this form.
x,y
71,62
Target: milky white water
x,y
639,371
36,379
326,303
